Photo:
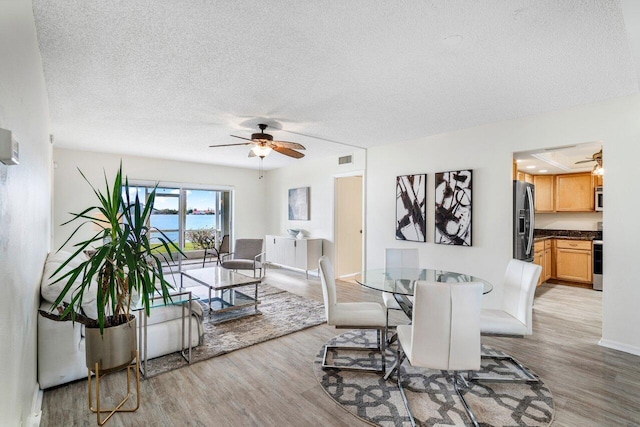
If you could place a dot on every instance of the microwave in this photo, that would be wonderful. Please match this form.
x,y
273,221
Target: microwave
x,y
598,203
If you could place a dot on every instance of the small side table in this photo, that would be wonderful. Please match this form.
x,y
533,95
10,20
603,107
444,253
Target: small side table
x,y
183,298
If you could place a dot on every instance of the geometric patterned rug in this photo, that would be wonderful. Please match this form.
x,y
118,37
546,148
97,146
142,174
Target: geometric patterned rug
x,y
281,313
430,393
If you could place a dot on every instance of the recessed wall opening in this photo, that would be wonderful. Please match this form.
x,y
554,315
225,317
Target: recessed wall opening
x,y
567,184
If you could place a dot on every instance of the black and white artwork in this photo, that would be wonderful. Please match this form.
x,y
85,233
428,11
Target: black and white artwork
x,y
299,203
453,208
411,216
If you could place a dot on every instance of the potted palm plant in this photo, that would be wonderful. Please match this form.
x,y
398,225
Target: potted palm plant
x,y
124,265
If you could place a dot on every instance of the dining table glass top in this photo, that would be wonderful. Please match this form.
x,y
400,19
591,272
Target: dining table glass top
x,y
402,280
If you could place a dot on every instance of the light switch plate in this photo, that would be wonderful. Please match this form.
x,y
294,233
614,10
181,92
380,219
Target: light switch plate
x,y
9,148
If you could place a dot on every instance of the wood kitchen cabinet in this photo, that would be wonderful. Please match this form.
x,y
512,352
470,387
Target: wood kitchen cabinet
x,y
548,261
573,260
522,176
574,192
544,193
538,258
542,257
598,180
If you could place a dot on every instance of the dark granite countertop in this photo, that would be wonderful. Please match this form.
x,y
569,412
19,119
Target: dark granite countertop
x,y
539,235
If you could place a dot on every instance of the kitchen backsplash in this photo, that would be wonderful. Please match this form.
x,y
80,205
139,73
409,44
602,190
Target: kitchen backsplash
x,y
568,221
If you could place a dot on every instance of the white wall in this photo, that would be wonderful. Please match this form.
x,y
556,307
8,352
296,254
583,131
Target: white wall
x,y
25,208
488,151
319,176
586,221
73,194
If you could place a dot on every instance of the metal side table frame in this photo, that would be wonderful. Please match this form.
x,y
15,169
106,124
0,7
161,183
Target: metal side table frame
x,y
185,299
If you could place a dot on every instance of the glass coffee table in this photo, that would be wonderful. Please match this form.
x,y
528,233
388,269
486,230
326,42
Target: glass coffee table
x,y
223,283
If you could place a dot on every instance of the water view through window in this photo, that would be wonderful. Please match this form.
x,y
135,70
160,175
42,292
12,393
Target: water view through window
x,y
185,215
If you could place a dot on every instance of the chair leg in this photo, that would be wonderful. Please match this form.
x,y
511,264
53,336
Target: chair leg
x,y
382,344
530,378
457,377
380,347
399,358
386,324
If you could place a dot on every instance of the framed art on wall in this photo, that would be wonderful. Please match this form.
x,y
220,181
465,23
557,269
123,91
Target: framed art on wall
x,y
411,215
299,203
453,208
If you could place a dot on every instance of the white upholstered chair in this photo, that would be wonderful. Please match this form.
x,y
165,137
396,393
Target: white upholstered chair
x,y
397,258
444,333
354,315
515,318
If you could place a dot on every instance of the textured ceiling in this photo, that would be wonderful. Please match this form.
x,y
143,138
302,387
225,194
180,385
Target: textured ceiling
x,y
169,78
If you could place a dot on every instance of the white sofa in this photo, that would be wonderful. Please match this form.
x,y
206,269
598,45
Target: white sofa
x,y
61,356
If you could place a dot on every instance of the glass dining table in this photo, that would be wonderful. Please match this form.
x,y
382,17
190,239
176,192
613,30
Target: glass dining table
x,y
401,283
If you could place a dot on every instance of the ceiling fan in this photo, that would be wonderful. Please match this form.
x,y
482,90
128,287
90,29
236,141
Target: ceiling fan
x,y
596,157
263,143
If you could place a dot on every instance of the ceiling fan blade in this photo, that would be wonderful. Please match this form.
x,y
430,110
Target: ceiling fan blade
x,y
242,137
287,144
288,152
585,161
231,145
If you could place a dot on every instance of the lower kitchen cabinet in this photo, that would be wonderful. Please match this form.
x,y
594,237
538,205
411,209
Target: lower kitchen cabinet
x,y
574,262
542,257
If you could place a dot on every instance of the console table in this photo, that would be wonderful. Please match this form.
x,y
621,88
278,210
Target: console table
x,y
302,254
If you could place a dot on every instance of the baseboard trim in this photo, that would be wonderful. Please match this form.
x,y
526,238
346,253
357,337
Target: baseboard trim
x,y
36,408
619,346
314,273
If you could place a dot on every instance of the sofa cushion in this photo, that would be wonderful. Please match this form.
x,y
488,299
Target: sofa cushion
x,y
170,312
50,290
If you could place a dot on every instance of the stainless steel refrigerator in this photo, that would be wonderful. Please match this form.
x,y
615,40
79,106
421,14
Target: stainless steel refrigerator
x,y
523,220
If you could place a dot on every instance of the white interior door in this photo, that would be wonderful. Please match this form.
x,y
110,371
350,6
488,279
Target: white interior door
x,y
348,226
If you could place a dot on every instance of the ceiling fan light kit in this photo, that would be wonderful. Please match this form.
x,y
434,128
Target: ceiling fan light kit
x,y
596,157
263,144
261,150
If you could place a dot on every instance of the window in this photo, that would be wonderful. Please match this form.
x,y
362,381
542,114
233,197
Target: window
x,y
179,209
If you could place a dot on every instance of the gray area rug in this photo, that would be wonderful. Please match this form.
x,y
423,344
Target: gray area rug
x,y
430,393
281,313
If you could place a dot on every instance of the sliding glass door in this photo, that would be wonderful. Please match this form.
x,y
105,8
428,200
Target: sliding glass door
x,y
187,214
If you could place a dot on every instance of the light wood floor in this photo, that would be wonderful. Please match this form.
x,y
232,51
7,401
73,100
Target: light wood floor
x,y
272,384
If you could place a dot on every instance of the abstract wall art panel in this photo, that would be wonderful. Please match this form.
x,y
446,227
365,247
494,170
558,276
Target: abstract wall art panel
x,y
411,215
453,208
299,203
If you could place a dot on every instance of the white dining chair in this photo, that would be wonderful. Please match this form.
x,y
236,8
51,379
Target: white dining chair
x,y
397,258
515,318
444,333
350,315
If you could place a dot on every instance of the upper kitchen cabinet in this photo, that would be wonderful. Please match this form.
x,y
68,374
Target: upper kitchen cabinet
x,y
574,192
544,194
521,176
598,180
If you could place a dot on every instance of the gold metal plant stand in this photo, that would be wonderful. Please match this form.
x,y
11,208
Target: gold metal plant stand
x,y
97,410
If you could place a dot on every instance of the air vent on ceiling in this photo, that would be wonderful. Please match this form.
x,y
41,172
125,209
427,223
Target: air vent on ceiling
x,y
345,160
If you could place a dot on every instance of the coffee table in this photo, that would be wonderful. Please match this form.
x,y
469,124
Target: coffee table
x,y
223,283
